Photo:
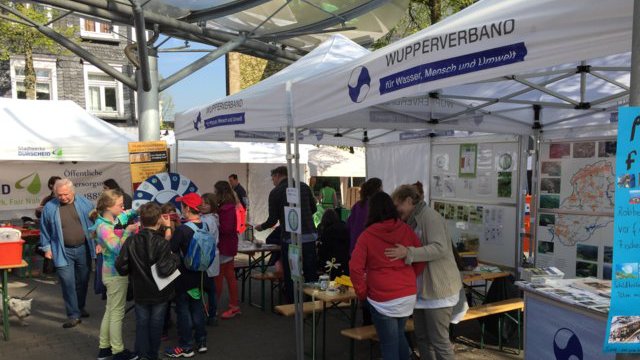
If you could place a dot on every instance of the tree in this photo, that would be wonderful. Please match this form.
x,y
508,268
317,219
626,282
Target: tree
x,y
421,14
18,38
167,110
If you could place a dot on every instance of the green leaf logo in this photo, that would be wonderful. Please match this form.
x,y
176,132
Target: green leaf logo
x,y
34,186
56,152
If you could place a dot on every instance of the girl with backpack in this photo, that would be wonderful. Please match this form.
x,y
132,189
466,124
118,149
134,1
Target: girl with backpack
x,y
226,201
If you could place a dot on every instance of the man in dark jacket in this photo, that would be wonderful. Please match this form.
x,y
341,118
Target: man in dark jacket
x,y
139,253
277,202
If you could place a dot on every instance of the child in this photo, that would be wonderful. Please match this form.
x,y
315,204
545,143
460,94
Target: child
x,y
208,215
190,285
226,201
109,208
139,253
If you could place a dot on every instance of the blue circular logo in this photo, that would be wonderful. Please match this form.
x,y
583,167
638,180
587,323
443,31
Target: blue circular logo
x,y
566,345
359,84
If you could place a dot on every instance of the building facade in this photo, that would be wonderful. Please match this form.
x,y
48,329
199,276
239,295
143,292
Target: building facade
x,y
68,77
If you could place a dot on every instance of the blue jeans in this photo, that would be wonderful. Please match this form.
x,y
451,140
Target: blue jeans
x,y
190,314
309,265
149,321
211,298
74,280
393,343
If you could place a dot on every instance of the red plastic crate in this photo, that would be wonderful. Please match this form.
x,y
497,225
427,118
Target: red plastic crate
x,y
11,252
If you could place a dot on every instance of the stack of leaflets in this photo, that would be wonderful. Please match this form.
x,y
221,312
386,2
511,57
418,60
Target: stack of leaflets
x,y
541,275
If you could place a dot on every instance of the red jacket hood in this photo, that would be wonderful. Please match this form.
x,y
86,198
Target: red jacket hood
x,y
390,231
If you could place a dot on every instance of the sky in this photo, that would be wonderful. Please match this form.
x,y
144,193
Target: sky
x,y
202,87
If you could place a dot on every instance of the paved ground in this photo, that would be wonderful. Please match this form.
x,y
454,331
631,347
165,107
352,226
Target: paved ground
x,y
253,335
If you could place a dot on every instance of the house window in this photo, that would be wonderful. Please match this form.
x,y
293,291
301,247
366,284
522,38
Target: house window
x,y
100,30
46,78
103,93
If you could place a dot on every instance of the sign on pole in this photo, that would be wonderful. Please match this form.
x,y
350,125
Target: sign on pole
x,y
147,158
292,219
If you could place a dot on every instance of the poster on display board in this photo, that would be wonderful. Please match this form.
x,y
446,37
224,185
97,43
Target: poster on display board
x,y
494,175
147,158
23,184
576,199
623,326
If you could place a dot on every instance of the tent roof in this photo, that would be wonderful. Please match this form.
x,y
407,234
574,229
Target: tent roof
x,y
58,131
438,79
259,112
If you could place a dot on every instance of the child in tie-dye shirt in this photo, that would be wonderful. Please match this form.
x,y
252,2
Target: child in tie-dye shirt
x,y
110,211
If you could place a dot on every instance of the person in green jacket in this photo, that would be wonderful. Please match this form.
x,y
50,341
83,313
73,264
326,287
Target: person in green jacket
x,y
328,197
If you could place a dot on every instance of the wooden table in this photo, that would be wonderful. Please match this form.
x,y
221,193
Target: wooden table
x,y
257,256
468,277
5,296
333,299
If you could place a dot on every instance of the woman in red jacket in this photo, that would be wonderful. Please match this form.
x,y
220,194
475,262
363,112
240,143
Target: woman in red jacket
x,y
388,286
226,201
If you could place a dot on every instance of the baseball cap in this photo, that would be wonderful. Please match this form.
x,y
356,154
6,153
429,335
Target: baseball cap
x,y
192,200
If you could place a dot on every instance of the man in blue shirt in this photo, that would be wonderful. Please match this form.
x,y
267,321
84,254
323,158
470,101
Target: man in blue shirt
x,y
65,239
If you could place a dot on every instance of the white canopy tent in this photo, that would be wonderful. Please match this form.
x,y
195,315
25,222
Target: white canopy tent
x,y
259,112
46,138
473,72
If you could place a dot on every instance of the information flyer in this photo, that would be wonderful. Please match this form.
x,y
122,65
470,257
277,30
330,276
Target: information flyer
x,y
623,327
147,158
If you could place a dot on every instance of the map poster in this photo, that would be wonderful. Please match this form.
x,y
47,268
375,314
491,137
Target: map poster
x,y
468,160
623,326
147,158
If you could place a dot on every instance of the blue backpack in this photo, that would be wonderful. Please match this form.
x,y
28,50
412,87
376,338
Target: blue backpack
x,y
202,248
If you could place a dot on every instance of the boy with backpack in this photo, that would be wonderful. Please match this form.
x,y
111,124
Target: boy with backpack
x,y
139,253
196,246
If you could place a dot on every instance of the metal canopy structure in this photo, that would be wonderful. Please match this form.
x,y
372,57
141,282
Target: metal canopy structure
x,y
277,30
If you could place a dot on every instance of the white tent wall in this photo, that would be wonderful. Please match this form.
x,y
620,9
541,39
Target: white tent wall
x,y
23,184
397,164
260,185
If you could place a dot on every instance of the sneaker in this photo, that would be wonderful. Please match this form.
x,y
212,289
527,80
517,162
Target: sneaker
x,y
125,355
231,312
71,323
177,352
202,347
212,321
104,353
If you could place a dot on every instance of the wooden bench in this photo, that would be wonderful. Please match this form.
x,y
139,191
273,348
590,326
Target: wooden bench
x,y
275,280
496,308
307,308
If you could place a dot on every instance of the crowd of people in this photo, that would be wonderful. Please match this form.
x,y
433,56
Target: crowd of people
x,y
395,248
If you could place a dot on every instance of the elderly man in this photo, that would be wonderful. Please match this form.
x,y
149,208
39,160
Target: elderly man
x,y
65,239
277,202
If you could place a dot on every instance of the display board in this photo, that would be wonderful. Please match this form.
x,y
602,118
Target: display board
x,y
488,176
576,198
473,185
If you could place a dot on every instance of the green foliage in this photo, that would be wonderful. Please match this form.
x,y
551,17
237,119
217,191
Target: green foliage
x,y
16,38
421,14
